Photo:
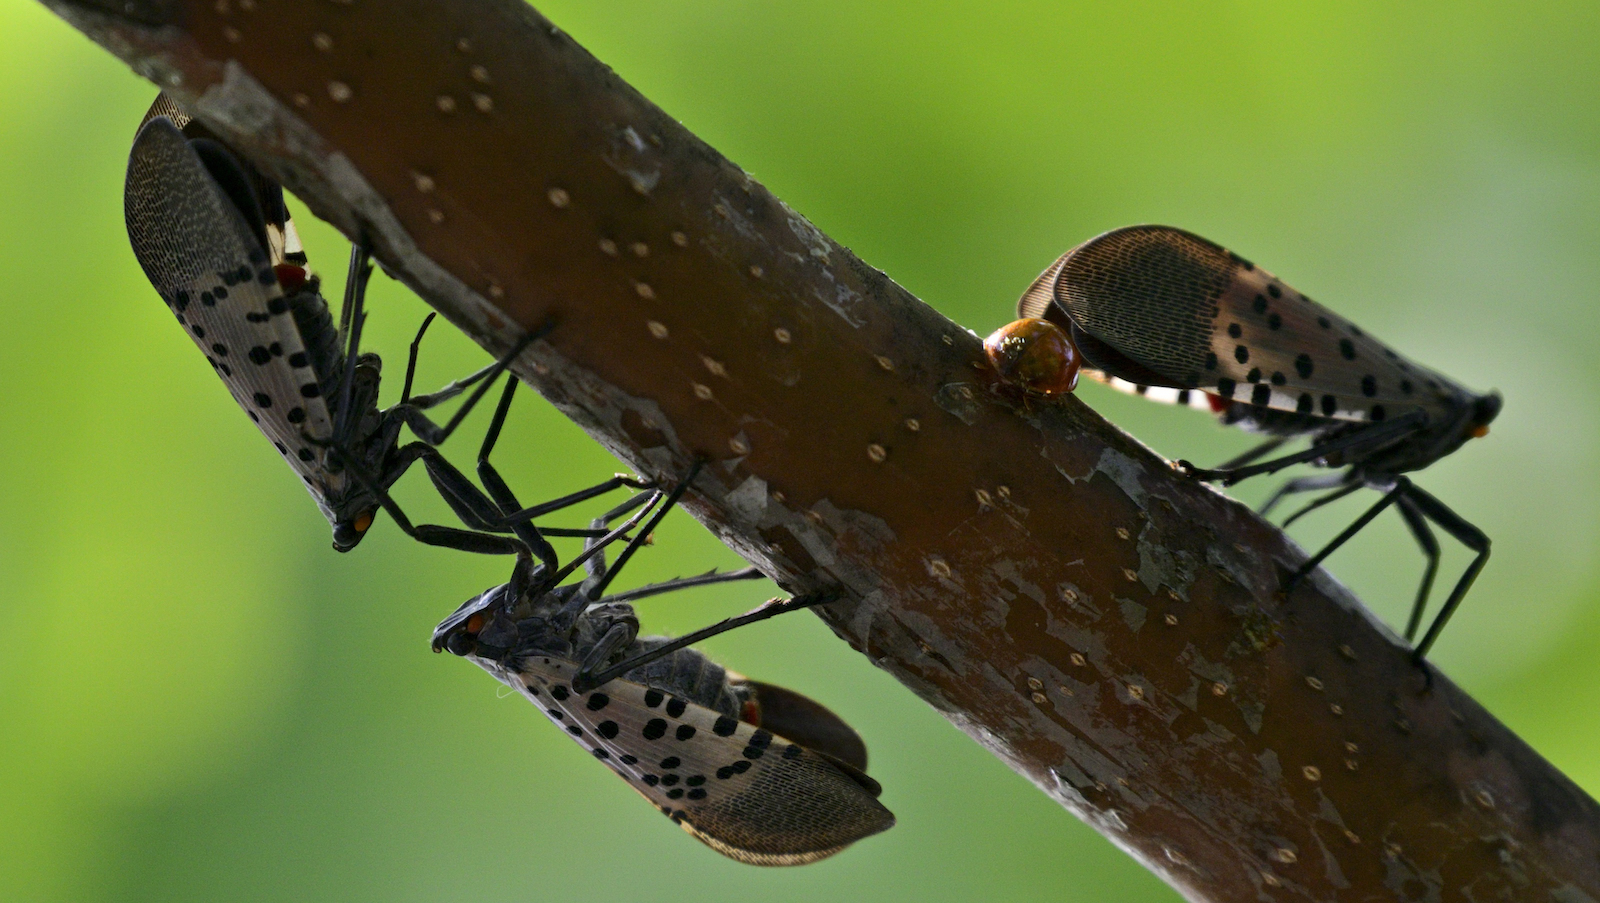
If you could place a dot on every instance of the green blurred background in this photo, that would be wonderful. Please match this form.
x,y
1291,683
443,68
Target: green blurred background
x,y
202,701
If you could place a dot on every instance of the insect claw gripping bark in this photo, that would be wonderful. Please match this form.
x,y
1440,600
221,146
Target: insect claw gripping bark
x,y
1171,316
758,773
214,237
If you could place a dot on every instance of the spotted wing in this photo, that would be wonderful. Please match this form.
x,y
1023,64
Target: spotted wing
x,y
283,243
212,268
1162,308
745,792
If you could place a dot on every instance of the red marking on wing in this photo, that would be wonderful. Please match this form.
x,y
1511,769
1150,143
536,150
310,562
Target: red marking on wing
x,y
290,276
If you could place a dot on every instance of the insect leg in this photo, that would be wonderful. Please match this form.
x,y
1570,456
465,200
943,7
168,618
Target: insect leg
x,y
411,361
582,495
433,434
450,391
519,521
617,637
644,534
1265,448
1303,484
1328,499
351,318
448,537
477,510
1311,564
583,681
1430,550
1384,431
498,490
595,567
668,586
1467,535
596,546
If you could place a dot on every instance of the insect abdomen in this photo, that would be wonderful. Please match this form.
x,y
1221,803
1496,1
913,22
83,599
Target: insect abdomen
x,y
688,674
320,335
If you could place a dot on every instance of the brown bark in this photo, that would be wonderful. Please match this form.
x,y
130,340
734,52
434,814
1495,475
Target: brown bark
x,y
1111,630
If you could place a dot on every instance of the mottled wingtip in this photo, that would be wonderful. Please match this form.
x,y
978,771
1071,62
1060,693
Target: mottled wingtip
x,y
807,837
749,857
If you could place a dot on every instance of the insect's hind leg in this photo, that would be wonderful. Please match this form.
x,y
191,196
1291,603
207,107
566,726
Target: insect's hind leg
x,y
1311,564
583,681
672,586
1303,484
1383,431
1469,536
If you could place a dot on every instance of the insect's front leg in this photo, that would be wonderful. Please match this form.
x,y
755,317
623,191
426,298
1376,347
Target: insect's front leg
x,y
1466,534
618,627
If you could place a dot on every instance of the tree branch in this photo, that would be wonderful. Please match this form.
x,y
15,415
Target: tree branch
x,y
1111,630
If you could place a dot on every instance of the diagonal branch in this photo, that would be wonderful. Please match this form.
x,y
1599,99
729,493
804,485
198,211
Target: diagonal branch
x,y
1111,630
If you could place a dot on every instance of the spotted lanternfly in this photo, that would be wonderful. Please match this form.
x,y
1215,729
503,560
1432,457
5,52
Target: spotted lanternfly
x,y
756,772
1034,355
1171,316
214,237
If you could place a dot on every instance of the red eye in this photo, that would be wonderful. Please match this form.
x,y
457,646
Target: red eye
x,y
1036,355
290,276
475,624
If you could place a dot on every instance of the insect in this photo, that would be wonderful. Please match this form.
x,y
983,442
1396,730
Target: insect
x,y
758,773
215,239
1035,355
1171,316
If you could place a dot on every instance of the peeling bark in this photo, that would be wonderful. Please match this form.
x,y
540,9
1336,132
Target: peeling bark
x,y
1111,630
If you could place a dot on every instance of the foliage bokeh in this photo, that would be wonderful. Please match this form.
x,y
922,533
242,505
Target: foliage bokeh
x,y
203,701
